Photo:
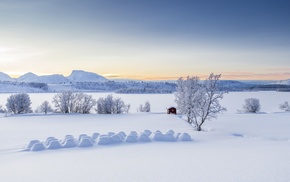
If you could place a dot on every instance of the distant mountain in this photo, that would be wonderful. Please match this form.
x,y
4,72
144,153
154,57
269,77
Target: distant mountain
x,y
48,79
5,77
75,76
283,82
28,77
83,76
52,79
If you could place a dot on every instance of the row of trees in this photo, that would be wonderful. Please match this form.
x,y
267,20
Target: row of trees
x,y
67,102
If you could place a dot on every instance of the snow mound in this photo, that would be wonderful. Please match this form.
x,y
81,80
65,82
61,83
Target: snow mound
x,y
176,135
104,140
170,132
31,143
54,144
131,139
48,140
122,134
85,142
133,133
116,138
143,137
158,136
37,147
81,136
184,137
148,132
110,134
69,143
95,135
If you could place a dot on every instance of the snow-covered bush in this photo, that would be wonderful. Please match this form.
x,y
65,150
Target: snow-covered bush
x,y
199,101
111,105
19,103
2,110
45,108
145,108
70,102
252,105
285,106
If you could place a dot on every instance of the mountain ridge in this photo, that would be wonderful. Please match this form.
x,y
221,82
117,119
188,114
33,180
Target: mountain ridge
x,y
75,76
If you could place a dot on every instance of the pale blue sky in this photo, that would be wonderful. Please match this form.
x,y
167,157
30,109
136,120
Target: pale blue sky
x,y
149,39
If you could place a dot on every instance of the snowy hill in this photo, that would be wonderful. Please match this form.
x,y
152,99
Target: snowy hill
x,y
52,79
28,77
83,76
48,79
283,82
5,77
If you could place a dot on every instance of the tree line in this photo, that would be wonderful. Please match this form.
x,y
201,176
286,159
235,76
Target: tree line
x,y
70,102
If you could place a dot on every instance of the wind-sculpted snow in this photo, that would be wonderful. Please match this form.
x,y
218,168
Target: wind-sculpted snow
x,y
97,139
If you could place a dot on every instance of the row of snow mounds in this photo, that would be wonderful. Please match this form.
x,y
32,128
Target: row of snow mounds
x,y
84,140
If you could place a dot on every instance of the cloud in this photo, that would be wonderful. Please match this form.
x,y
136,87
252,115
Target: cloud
x,y
12,54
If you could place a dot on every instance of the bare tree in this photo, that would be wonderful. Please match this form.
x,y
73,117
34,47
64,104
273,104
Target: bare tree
x,y
285,106
111,105
63,101
19,103
70,102
252,105
45,107
85,103
199,101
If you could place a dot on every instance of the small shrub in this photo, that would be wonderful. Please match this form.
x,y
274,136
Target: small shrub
x,y
285,106
145,108
252,105
45,107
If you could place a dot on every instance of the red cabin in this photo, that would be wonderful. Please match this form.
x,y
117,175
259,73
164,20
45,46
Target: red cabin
x,y
171,110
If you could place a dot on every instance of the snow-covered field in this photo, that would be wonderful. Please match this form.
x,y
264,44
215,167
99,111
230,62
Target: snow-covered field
x,y
235,147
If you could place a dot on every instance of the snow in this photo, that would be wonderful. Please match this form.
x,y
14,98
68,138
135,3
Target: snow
x,y
234,148
5,77
83,76
28,77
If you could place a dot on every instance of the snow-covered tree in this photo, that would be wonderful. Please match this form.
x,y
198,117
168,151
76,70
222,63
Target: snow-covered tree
x,y
45,107
19,103
285,106
252,105
111,105
70,102
84,103
186,95
63,101
145,108
199,101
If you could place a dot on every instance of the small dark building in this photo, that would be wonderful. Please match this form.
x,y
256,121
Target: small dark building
x,y
171,110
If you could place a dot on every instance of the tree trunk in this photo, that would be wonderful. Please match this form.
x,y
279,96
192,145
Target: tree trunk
x,y
188,120
198,128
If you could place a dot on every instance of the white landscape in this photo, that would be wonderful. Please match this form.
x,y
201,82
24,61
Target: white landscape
x,y
234,147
